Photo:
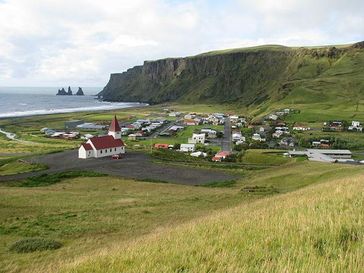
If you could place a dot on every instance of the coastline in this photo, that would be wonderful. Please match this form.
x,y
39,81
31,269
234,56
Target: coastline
x,y
45,112
17,103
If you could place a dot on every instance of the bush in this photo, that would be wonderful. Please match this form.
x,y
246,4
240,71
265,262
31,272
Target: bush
x,y
34,244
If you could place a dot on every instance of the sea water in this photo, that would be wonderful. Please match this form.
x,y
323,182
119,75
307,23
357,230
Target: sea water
x,y
28,101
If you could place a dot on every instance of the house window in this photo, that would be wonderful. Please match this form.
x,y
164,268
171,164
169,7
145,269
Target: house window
x,y
105,150
100,151
110,150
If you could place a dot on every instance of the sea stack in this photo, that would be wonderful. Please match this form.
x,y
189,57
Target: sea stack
x,y
61,92
80,92
69,92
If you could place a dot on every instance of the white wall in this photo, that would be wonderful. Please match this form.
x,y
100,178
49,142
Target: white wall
x,y
107,152
82,153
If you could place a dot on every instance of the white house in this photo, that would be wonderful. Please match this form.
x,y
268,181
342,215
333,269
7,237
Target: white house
x,y
102,146
209,132
355,126
273,117
236,136
197,138
187,148
257,137
198,154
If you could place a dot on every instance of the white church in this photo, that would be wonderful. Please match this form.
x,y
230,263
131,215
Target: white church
x,y
102,146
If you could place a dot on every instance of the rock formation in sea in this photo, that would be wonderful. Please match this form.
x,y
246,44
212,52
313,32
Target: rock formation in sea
x,y
61,92
80,92
69,92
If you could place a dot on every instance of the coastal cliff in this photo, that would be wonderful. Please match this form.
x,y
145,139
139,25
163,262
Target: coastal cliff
x,y
247,76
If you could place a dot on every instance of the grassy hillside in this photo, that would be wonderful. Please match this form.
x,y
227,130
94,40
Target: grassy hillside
x,y
90,216
316,229
257,79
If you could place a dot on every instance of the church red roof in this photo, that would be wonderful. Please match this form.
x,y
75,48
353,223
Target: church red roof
x,y
114,126
105,142
87,146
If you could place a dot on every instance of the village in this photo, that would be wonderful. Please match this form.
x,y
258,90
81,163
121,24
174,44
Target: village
x,y
213,137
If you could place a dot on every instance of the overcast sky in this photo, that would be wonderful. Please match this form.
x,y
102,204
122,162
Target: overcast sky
x,y
80,42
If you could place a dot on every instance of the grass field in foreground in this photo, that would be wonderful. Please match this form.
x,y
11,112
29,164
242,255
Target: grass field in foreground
x,y
316,229
90,215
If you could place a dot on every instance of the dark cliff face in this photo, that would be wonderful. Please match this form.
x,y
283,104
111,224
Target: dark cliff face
x,y
245,76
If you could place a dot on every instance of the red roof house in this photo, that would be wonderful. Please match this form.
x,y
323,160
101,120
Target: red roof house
x,y
221,155
161,146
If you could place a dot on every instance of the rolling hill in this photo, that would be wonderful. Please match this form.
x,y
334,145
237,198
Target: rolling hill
x,y
254,77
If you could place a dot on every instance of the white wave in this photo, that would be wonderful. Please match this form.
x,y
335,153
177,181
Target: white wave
x,y
105,106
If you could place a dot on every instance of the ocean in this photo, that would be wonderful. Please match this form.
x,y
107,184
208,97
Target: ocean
x,y
28,101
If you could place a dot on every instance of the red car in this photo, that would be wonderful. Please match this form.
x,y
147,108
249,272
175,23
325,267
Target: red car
x,y
118,156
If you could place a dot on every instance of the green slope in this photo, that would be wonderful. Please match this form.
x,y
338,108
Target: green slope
x,y
257,78
316,229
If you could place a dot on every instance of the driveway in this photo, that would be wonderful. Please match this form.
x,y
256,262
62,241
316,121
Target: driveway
x,y
134,165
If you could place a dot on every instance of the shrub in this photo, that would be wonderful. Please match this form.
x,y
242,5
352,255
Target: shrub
x,y
34,244
220,184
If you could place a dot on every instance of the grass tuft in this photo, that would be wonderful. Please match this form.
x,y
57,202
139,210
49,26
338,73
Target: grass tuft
x,y
49,179
34,244
220,184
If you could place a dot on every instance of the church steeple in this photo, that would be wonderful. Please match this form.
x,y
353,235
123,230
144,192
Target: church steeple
x,y
114,129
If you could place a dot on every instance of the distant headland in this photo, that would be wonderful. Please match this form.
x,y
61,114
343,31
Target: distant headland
x,y
63,92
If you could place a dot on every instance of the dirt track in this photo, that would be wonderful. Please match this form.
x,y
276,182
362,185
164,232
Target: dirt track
x,y
134,165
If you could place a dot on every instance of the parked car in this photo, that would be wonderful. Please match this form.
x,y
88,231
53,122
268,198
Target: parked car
x,y
118,156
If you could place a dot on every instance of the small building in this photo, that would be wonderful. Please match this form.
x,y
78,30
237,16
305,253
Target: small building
x,y
355,126
287,142
161,146
198,154
273,117
209,132
187,147
197,138
301,127
236,136
190,122
257,137
135,136
220,156
324,155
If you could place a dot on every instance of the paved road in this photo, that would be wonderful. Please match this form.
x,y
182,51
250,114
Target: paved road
x,y
160,130
134,165
226,141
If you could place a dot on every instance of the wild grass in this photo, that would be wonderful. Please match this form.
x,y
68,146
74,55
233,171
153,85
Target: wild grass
x,y
89,215
53,178
17,166
34,244
316,229
265,157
